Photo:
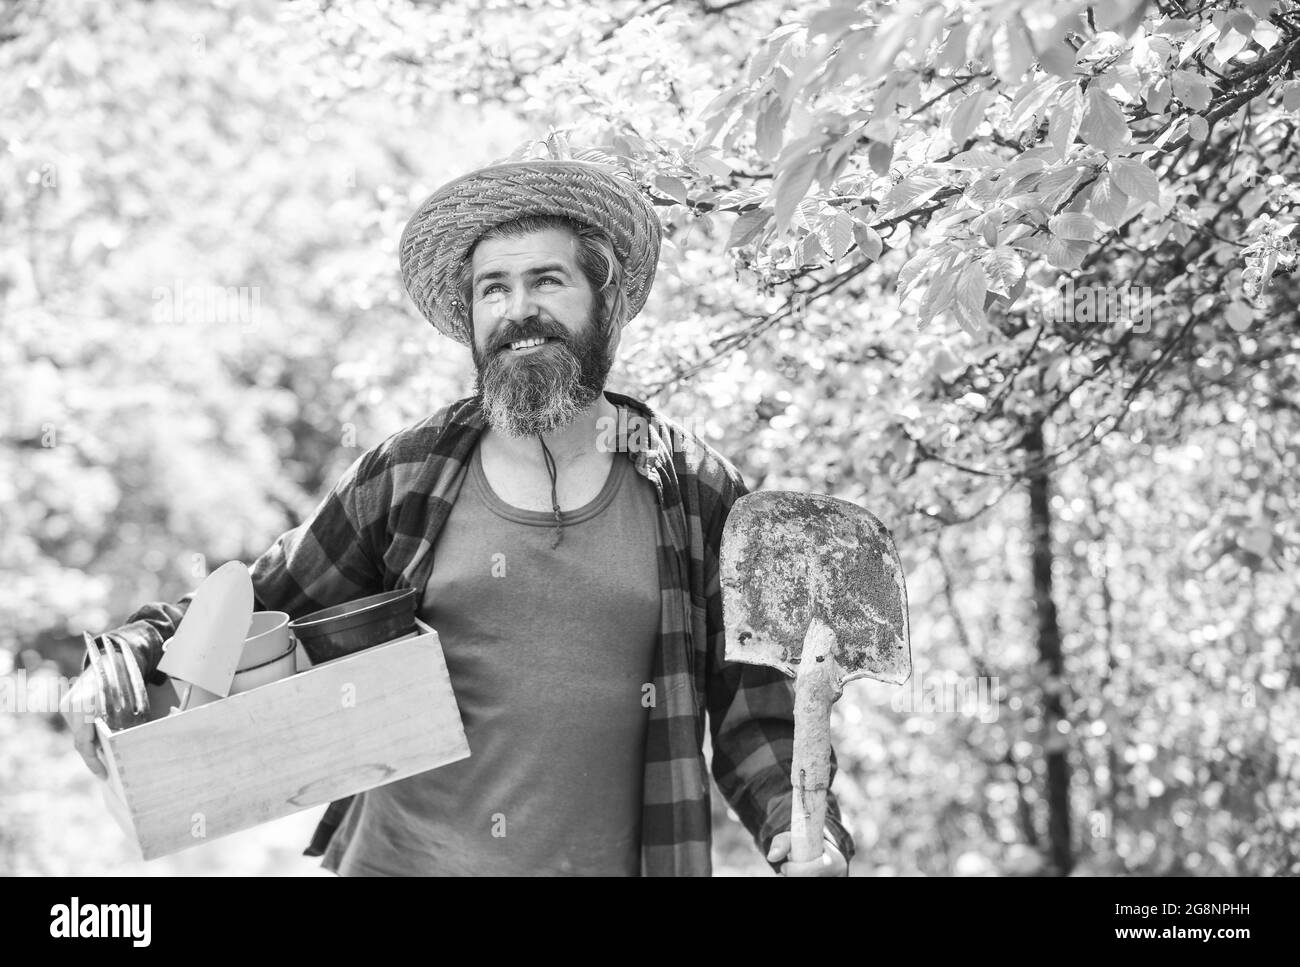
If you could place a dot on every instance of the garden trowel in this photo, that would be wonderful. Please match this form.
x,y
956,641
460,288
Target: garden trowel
x,y
813,585
205,650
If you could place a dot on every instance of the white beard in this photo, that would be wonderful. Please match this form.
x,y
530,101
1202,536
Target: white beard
x,y
537,397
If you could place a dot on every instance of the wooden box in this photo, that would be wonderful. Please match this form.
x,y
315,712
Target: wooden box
x,y
335,729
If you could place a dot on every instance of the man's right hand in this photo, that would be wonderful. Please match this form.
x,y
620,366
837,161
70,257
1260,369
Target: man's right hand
x,y
79,707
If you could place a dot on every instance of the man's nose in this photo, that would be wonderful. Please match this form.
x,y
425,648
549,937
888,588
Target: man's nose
x,y
519,305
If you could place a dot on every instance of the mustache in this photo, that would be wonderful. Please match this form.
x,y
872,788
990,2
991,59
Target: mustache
x,y
535,328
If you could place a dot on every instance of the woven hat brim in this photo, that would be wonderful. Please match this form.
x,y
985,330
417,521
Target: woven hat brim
x,y
441,233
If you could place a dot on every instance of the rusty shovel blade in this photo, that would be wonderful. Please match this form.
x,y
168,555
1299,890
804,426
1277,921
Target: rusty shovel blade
x,y
789,558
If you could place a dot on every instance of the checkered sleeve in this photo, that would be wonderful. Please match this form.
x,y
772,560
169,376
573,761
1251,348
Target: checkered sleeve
x,y
751,716
336,554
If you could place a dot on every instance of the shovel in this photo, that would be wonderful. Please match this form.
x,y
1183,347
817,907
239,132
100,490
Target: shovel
x,y
813,585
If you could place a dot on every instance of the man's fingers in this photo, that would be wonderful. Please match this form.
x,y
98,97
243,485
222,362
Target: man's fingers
x,y
779,849
830,863
86,744
79,707
815,867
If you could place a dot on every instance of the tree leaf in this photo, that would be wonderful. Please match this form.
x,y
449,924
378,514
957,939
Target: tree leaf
x,y
910,193
1054,185
1157,98
1136,180
987,225
869,241
713,166
1191,89
1026,163
1266,35
1233,38
835,19
772,48
792,183
1059,59
722,103
912,271
971,289
892,38
558,145
1193,44
748,226
1240,315
769,128
742,196
938,294
879,156
984,192
674,188
804,214
1073,226
1063,120
1291,96
976,158
968,114
1005,268
952,55
1108,201
1029,103
1033,244
1012,50
810,249
1104,125
1066,254
836,234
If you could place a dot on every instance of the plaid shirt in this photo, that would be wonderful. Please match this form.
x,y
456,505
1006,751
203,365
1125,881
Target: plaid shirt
x,y
376,529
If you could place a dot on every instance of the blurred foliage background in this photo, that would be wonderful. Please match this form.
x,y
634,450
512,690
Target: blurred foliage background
x,y
866,209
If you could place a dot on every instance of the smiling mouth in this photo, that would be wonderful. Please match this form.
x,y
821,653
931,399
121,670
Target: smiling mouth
x,y
524,345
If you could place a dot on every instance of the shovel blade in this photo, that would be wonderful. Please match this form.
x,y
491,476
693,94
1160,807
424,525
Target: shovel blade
x,y
788,558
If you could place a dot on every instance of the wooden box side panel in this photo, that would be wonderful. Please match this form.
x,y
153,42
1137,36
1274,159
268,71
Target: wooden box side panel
x,y
111,788
334,730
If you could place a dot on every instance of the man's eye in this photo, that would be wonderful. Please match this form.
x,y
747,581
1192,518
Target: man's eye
x,y
493,287
548,278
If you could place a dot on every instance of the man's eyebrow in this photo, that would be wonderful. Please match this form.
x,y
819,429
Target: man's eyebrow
x,y
548,268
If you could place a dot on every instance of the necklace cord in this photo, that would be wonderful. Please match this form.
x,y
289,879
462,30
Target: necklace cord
x,y
555,503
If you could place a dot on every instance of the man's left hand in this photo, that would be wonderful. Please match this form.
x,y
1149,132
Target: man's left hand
x,y
830,863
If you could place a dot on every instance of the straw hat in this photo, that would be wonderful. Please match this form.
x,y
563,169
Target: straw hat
x,y
444,229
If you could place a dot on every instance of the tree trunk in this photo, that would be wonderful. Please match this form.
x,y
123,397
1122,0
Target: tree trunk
x,y
1054,741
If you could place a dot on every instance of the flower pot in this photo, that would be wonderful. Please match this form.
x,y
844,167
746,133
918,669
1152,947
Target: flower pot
x,y
350,627
268,639
281,666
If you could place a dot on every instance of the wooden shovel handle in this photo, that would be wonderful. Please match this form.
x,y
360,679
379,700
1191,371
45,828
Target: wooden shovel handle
x,y
815,691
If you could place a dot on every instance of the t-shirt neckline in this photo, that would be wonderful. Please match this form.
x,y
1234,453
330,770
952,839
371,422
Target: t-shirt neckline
x,y
544,518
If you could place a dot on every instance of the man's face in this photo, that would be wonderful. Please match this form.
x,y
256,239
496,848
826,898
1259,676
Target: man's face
x,y
540,353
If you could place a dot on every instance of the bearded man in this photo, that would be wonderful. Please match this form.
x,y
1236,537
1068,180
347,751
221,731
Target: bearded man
x,y
570,571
